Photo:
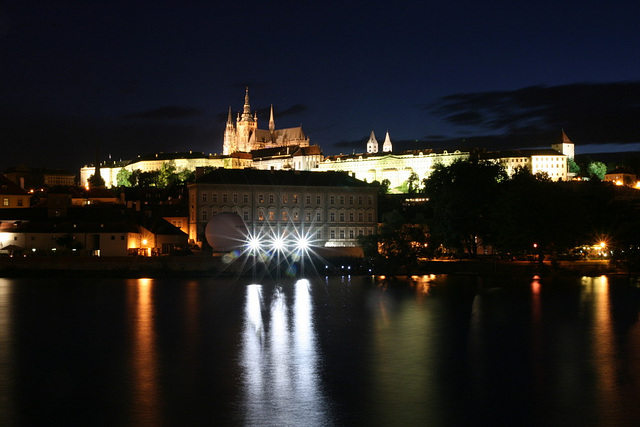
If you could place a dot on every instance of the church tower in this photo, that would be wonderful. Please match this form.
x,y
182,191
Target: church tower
x,y
387,147
372,145
564,146
246,125
230,144
272,122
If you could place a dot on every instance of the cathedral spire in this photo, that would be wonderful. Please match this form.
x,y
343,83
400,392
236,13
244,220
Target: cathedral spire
x,y
229,121
246,111
272,123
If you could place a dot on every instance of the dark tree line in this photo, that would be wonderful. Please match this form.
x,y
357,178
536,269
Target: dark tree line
x,y
474,206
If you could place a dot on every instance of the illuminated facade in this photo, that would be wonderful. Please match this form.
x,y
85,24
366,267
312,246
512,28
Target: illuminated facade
x,y
548,161
331,208
395,167
12,196
244,135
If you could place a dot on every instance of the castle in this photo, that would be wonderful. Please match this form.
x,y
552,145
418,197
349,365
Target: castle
x,y
244,136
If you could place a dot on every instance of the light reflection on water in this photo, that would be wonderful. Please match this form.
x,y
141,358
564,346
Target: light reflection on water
x,y
279,359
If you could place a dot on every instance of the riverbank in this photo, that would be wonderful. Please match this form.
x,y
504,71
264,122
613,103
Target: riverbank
x,y
220,266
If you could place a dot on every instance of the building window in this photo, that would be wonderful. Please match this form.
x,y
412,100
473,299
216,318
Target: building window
x,y
113,237
271,198
318,216
351,216
332,200
370,200
19,202
319,234
294,199
308,199
204,197
307,216
5,201
225,197
341,216
235,197
272,216
351,234
260,215
318,199
369,217
260,198
342,234
214,197
342,200
205,215
350,200
285,216
285,199
295,216
332,216
360,232
332,234
360,217
360,200
245,198
245,215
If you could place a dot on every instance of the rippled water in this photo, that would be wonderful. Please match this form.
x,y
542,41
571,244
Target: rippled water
x,y
431,350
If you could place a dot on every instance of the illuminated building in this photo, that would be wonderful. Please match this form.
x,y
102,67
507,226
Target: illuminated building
x,y
548,161
395,167
331,208
244,135
621,177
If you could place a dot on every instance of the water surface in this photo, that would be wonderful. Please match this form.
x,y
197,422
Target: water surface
x,y
436,350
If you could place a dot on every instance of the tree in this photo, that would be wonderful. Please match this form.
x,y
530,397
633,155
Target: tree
x,y
574,168
460,196
123,178
412,183
597,170
397,245
95,181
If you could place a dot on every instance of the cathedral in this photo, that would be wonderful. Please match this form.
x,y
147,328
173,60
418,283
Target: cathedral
x,y
244,136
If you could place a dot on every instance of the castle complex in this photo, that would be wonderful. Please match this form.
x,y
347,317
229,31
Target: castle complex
x,y
244,136
247,146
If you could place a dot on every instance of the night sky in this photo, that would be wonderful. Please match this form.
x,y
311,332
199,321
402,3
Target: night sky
x,y
140,77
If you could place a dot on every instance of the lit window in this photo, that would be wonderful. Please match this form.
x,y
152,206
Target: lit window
x,y
307,216
260,198
5,201
294,199
285,216
284,199
260,215
272,216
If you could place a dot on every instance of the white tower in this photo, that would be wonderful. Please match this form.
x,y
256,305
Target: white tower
x,y
387,147
372,145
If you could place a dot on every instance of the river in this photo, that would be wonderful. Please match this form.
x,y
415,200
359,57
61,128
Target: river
x,y
328,351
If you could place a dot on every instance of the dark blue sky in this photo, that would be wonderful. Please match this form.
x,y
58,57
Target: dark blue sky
x,y
143,77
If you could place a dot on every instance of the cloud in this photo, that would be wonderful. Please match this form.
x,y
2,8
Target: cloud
x,y
590,113
171,112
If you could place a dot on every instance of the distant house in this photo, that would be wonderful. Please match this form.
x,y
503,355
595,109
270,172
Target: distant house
x,y
621,177
11,195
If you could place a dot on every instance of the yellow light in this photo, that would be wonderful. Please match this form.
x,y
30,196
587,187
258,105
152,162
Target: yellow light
x,y
145,241
618,182
602,245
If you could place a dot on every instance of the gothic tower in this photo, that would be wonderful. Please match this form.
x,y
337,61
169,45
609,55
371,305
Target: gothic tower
x,y
372,145
246,125
230,144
